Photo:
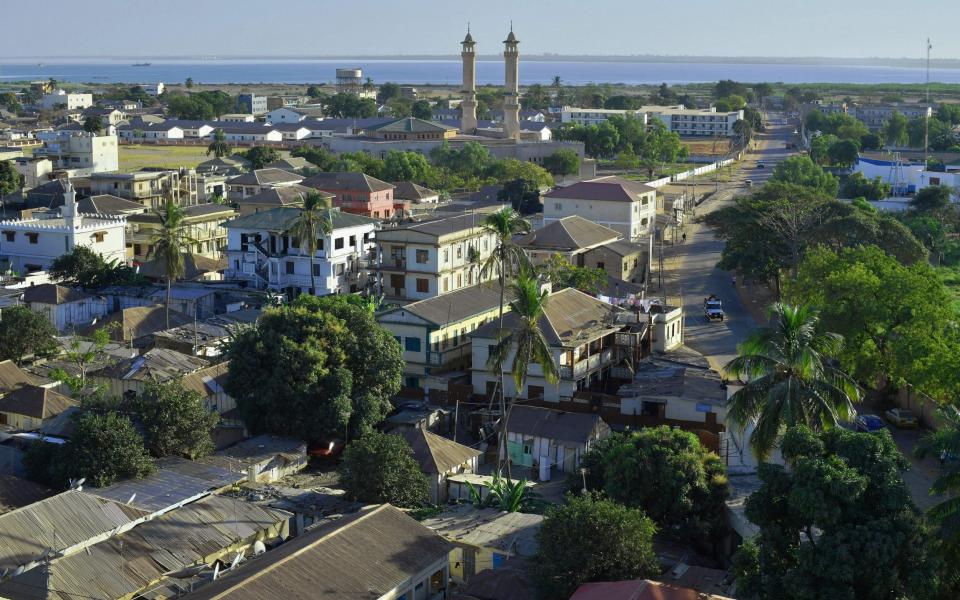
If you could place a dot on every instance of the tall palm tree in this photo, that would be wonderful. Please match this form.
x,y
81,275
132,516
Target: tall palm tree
x,y
169,243
790,379
945,443
506,260
218,147
525,340
308,227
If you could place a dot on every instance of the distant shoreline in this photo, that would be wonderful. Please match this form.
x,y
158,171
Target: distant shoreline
x,y
941,63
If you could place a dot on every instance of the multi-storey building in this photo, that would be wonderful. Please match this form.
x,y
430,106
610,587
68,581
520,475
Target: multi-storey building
x,y
68,100
203,223
626,206
596,116
261,251
260,180
875,116
356,193
430,258
252,103
695,122
150,188
80,152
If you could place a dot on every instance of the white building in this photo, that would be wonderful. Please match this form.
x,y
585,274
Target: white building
x,y
153,89
30,245
293,114
628,207
260,251
250,132
904,178
64,307
81,152
596,116
192,129
69,100
34,171
695,122
151,131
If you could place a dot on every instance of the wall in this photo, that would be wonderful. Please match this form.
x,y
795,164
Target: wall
x,y
72,314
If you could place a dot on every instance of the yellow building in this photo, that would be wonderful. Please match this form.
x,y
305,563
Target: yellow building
x,y
204,223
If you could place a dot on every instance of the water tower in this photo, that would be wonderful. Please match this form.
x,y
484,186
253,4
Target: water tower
x,y
349,80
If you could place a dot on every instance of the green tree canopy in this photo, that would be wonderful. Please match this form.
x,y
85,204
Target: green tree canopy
x,y
84,267
856,185
563,274
667,473
379,467
260,156
839,523
10,179
24,332
801,170
308,367
591,539
175,420
562,162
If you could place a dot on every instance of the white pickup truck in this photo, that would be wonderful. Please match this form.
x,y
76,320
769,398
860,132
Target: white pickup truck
x,y
712,308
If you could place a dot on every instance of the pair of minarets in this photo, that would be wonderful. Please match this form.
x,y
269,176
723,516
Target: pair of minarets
x,y
511,94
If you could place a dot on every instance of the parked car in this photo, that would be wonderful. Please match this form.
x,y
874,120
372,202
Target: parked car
x,y
902,418
869,423
327,449
712,308
748,182
760,164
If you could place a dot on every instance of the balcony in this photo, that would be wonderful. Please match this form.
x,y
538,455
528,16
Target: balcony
x,y
393,263
584,366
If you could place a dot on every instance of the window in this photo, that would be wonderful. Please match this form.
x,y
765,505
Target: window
x,y
338,244
446,255
600,265
10,235
338,269
397,281
423,285
32,237
98,236
353,240
412,344
459,251
422,256
289,264
446,284
319,244
316,269
557,206
459,280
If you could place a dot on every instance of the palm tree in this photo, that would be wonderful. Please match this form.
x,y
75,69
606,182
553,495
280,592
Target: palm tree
x,y
169,243
308,226
505,260
218,147
945,443
790,379
525,340
557,86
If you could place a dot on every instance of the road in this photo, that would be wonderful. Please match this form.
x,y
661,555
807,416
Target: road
x,y
693,263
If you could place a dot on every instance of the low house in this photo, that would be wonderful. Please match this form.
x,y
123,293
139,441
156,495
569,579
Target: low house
x,y
30,407
434,334
536,436
484,538
262,459
138,324
250,133
16,493
131,376
622,260
191,128
258,181
206,338
570,237
291,131
439,458
209,384
149,131
226,165
639,589
64,307
379,553
294,164
626,206
416,194
411,129
195,268
290,195
356,193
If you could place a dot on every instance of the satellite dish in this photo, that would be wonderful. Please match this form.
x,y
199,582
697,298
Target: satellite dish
x,y
236,560
216,570
258,548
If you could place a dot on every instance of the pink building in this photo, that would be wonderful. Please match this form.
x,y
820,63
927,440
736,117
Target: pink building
x,y
356,193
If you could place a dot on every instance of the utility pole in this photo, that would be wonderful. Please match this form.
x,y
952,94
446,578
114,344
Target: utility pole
x,y
456,419
926,118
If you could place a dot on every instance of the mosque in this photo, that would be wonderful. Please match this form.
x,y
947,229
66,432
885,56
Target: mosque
x,y
511,93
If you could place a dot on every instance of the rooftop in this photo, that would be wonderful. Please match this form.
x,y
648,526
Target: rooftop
x,y
139,321
12,376
408,190
453,307
439,226
511,533
360,556
265,177
16,493
553,424
347,181
608,189
51,293
158,364
662,378
279,219
282,196
569,234
638,589
35,402
411,125
436,454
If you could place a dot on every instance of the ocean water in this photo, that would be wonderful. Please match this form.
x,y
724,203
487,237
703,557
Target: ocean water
x,y
447,72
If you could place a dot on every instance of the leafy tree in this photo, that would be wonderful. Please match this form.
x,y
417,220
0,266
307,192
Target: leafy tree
x,y
310,369
844,153
83,352
897,320
323,159
189,83
522,194
349,106
24,332
623,102
789,379
762,91
562,162
730,103
895,130
379,467
84,267
591,539
931,199
508,169
400,107
218,147
800,170
820,147
945,443
535,97
10,179
175,420
92,124
260,156
360,162
9,101
871,141
169,244
422,109
189,107
838,523
729,87
103,448
563,274
949,113
388,91
665,472
409,166
308,228
856,185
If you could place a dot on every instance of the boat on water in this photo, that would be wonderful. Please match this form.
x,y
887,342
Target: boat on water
x,y
143,64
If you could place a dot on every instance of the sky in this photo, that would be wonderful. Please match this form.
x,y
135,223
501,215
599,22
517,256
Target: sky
x,y
157,28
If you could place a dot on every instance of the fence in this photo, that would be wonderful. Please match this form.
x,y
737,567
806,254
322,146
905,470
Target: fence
x,y
658,183
922,405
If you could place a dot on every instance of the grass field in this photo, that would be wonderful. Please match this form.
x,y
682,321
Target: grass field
x,y
706,147
134,157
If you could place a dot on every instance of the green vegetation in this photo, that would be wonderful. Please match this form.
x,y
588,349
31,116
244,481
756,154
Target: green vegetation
x,y
666,473
175,421
218,147
314,369
627,136
84,267
201,105
591,539
379,467
24,333
169,244
563,274
838,523
10,179
562,162
260,156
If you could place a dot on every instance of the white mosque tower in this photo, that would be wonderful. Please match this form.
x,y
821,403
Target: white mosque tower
x,y
468,107
511,95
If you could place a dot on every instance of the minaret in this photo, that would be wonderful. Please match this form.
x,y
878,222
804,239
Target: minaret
x,y
70,215
511,94
468,107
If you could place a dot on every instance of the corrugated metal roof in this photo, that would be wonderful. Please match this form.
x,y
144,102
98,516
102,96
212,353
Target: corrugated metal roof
x,y
488,528
35,401
279,219
552,424
160,364
16,492
437,454
358,557
176,480
569,233
12,376
455,306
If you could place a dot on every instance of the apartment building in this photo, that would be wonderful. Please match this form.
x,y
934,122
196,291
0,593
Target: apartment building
x,y
596,116
204,224
260,251
629,207
79,152
258,181
252,103
430,258
875,116
356,193
150,188
64,99
435,333
695,122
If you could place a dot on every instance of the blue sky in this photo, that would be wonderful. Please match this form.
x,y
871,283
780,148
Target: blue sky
x,y
851,28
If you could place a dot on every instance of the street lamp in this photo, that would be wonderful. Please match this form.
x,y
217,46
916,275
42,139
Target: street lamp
x,y
583,474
